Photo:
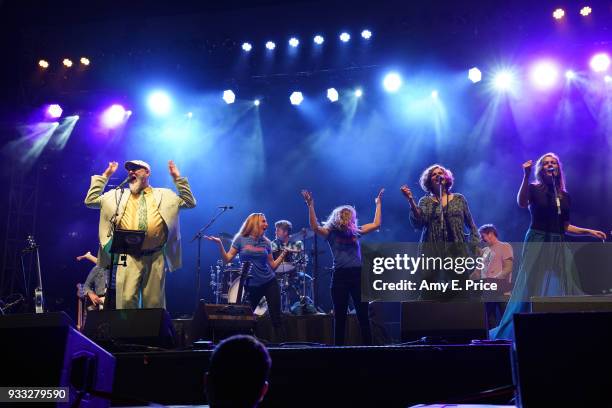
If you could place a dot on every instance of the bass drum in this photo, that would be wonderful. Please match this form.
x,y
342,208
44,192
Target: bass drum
x,y
232,294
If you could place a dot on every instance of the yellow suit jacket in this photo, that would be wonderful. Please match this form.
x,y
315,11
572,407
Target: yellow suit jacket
x,y
168,205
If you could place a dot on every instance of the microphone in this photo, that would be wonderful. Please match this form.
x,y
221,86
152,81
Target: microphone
x,y
124,182
441,179
226,207
550,169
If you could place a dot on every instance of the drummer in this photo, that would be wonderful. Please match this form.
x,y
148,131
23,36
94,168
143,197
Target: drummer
x,y
283,241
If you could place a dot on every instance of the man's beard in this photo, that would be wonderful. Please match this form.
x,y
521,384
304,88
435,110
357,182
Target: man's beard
x,y
137,185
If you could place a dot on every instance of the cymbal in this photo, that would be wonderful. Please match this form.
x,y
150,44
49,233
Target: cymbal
x,y
301,235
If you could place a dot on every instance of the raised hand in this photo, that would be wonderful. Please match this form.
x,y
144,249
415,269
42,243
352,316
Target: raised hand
x,y
598,234
307,197
174,171
406,192
527,167
213,239
84,256
111,169
378,198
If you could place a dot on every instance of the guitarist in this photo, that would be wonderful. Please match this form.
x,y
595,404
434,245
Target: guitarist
x,y
253,246
96,283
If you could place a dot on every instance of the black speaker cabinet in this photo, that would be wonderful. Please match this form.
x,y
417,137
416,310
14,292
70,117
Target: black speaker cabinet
x,y
117,328
216,322
456,321
45,350
561,359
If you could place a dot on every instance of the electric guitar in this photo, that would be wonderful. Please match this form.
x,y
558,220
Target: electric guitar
x,y
39,299
244,273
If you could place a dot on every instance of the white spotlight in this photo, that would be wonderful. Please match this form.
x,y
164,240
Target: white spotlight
x,y
358,93
229,96
318,39
345,37
569,74
503,81
474,75
434,94
296,98
270,45
256,102
247,46
294,42
159,103
332,94
366,34
392,82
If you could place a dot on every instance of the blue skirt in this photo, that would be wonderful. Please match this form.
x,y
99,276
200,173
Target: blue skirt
x,y
547,269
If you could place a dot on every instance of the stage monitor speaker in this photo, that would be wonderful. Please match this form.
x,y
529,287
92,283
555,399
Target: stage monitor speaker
x,y
217,322
453,321
44,350
118,329
545,304
561,359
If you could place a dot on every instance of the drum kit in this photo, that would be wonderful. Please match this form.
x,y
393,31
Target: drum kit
x,y
296,285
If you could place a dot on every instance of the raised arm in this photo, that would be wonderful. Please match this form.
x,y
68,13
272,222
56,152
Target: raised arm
x,y
312,216
93,199
522,197
418,218
374,225
187,200
87,256
226,256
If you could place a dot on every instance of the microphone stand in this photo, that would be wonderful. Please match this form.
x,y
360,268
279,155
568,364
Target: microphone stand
x,y
199,235
558,204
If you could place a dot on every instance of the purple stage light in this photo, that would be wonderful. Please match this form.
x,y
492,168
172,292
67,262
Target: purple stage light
x,y
54,111
114,116
544,74
569,74
600,62
503,81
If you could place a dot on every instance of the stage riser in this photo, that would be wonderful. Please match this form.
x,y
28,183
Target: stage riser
x,y
352,376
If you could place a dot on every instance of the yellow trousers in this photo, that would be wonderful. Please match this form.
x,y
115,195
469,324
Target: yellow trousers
x,y
142,281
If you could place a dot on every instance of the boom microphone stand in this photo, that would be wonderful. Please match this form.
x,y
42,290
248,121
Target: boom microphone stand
x,y
199,235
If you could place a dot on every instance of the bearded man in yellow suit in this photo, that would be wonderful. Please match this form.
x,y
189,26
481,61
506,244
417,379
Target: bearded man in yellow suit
x,y
141,282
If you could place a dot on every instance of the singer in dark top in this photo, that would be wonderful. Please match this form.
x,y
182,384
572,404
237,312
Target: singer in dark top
x,y
548,267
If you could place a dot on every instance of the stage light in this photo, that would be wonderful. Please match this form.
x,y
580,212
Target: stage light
x,y
247,46
585,11
296,98
256,102
318,39
558,14
503,81
544,74
358,93
332,94
366,34
67,63
569,74
600,62
54,111
392,82
474,75
345,37
159,103
434,94
270,45
229,96
189,115
294,42
114,116
43,64
607,79
85,61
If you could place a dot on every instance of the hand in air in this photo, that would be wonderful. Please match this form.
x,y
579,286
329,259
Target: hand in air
x,y
111,169
527,167
307,197
378,198
406,192
174,171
